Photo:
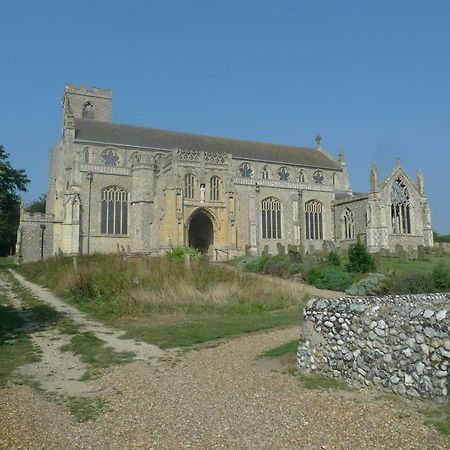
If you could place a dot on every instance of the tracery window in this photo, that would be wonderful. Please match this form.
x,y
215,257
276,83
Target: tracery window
x,y
88,111
86,155
283,174
348,224
400,208
314,219
271,218
265,173
110,158
189,181
318,177
214,188
246,170
301,176
114,211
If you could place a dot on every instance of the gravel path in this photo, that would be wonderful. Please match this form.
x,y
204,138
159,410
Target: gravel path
x,y
218,397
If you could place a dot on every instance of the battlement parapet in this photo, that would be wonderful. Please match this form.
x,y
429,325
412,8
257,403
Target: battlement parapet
x,y
85,90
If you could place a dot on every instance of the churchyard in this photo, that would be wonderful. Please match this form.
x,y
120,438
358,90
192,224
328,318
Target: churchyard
x,y
201,306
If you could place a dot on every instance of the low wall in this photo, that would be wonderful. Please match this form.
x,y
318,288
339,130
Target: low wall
x,y
397,343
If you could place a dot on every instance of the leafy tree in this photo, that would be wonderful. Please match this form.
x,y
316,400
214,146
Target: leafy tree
x,y
37,206
441,237
359,259
11,181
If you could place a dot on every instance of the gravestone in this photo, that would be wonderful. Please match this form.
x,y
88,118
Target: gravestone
x,y
378,261
385,252
412,252
281,249
403,256
302,250
398,250
248,250
265,251
420,252
326,248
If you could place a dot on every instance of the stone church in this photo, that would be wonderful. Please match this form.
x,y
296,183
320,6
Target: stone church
x,y
121,188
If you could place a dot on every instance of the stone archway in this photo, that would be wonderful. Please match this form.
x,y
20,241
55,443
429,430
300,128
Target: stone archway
x,y
201,231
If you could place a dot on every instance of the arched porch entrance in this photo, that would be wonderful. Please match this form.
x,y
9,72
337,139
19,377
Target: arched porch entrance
x,y
201,231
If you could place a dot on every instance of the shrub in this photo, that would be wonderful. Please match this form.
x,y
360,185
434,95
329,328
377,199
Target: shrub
x,y
278,266
255,264
333,259
359,259
328,277
372,284
178,254
412,283
441,277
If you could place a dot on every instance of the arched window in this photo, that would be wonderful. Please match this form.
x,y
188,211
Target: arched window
x,y
314,219
271,218
283,174
301,176
265,173
400,208
348,224
246,170
88,111
110,158
318,177
189,181
214,188
334,179
86,155
114,211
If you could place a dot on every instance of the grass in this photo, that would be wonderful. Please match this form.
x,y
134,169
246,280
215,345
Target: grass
x,y
164,303
415,265
439,417
16,348
7,262
92,351
289,347
85,409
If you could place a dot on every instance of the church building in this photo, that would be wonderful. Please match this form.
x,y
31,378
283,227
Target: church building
x,y
121,188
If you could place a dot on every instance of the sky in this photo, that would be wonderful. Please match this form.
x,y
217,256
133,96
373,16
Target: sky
x,y
372,78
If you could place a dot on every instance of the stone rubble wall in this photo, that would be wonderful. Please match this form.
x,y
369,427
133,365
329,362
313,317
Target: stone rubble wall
x,y
396,343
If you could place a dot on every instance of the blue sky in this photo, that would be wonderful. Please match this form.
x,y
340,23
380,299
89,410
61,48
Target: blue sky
x,y
370,77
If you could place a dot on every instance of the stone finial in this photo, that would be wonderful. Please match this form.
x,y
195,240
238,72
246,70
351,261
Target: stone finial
x,y
341,159
318,139
397,161
374,185
420,183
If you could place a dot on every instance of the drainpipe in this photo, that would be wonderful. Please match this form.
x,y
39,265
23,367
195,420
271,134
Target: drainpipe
x,y
89,176
42,240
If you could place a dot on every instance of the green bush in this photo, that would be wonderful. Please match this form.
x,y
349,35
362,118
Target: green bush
x,y
412,283
277,266
333,259
441,277
328,277
359,259
178,254
296,268
372,284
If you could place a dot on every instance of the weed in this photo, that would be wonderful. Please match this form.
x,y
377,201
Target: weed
x,y
86,409
289,347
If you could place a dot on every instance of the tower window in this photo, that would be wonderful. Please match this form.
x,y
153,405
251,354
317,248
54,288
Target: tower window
x,y
86,155
88,111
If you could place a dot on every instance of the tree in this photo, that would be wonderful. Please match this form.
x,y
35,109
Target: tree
x,y
359,259
11,181
37,206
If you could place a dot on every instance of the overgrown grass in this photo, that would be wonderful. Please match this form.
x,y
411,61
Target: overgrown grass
x,y
162,302
318,381
289,347
16,348
7,262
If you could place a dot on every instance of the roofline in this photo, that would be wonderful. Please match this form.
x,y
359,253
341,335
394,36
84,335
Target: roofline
x,y
113,144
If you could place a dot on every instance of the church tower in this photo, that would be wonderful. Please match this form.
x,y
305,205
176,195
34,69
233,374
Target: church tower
x,y
86,103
